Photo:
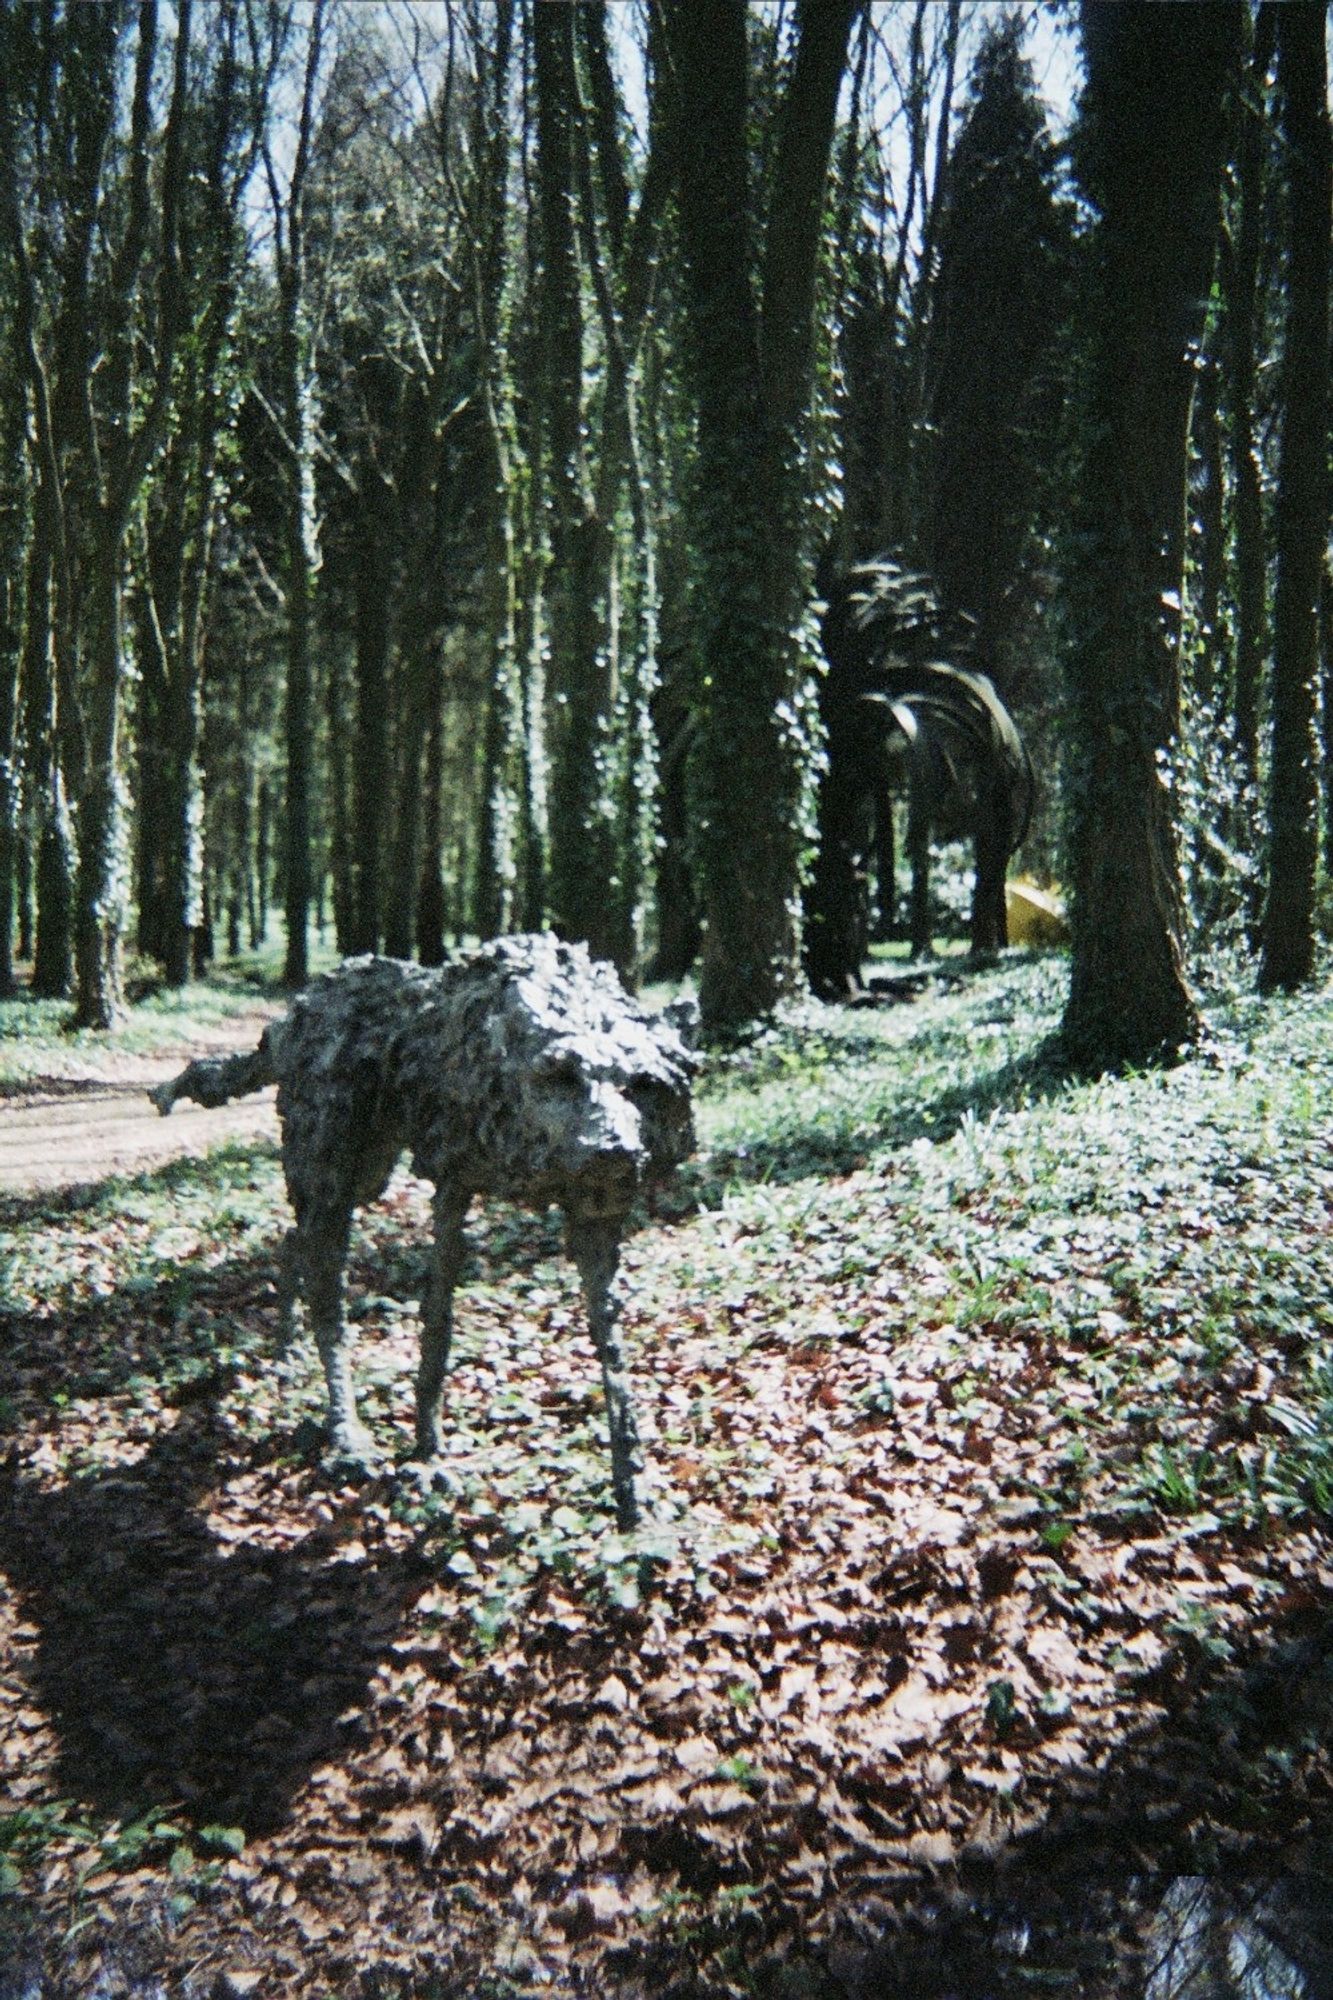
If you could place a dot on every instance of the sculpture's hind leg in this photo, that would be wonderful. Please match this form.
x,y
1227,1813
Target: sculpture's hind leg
x,y
290,1289
437,1315
322,1252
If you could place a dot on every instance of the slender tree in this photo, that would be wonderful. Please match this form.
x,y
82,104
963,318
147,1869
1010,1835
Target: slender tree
x,y
990,399
499,855
14,516
181,516
290,207
1301,525
582,658
1153,128
100,397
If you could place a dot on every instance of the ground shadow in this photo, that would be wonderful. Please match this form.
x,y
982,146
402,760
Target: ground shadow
x,y
178,1670
1196,1865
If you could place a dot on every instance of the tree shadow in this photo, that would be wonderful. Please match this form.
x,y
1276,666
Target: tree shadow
x,y
1196,1864
179,1669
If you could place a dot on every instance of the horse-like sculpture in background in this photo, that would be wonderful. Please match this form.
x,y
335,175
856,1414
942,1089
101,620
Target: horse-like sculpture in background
x,y
897,710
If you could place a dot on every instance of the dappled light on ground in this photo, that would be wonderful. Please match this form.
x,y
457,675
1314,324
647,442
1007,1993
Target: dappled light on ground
x,y
986,1595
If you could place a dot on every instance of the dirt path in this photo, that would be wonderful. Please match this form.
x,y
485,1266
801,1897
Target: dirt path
x,y
68,1130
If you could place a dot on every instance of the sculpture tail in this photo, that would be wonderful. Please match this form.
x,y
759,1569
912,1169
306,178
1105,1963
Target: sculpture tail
x,y
215,1080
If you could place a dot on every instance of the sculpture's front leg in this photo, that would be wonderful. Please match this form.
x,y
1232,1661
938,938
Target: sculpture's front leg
x,y
322,1258
437,1316
594,1244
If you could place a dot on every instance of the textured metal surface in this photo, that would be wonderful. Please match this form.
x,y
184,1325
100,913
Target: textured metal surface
x,y
523,1069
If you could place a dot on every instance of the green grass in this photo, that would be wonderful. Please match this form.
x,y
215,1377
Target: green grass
x,y
36,1038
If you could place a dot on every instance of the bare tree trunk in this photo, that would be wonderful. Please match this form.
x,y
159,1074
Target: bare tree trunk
x,y
1302,500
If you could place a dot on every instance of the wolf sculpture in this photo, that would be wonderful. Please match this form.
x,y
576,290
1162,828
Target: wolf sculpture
x,y
523,1069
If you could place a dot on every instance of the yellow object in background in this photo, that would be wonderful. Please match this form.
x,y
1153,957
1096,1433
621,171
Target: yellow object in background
x,y
1036,916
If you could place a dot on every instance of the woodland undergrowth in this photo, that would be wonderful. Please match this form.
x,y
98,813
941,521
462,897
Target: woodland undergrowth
x,y
989,1424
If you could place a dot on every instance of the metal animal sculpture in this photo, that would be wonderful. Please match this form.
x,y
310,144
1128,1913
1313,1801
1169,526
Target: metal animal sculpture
x,y
887,687
523,1069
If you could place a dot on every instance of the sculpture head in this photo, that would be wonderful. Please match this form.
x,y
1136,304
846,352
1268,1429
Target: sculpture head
x,y
585,1095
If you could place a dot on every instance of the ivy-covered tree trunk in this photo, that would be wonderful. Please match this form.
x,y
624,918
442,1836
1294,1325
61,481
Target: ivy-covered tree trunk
x,y
499,859
1301,527
581,691
181,530
53,860
749,354
101,880
1242,241
1326,703
13,526
1153,131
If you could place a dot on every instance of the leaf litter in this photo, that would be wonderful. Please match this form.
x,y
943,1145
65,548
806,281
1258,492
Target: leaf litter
x,y
989,1422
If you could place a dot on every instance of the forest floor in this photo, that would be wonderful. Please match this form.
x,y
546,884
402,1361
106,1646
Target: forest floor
x,y
981,1641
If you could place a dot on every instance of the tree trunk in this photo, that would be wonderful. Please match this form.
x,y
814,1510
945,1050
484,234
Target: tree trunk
x,y
301,548
1212,533
1326,705
263,862
886,865
837,906
498,859
372,774
430,893
53,963
1301,525
1154,130
23,887
581,681
100,881
298,719
400,892
338,792
13,514
750,367
919,928
1240,284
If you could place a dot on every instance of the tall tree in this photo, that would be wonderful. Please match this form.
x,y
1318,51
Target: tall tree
x,y
499,859
227,112
1301,524
290,205
749,302
996,309
1152,132
582,854
14,515
100,396
1242,241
